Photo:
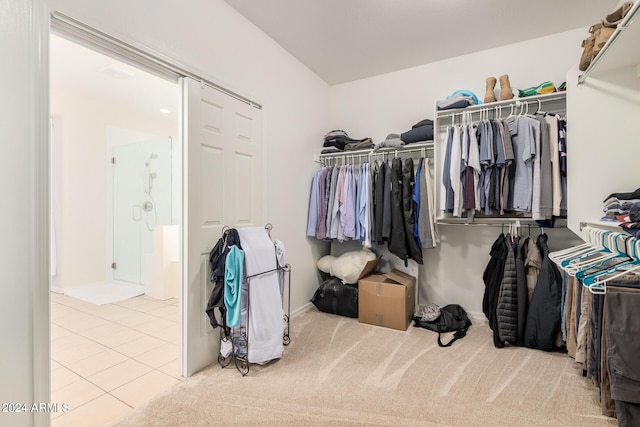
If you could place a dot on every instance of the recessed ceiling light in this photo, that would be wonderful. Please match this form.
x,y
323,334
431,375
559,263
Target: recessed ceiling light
x,y
165,111
116,72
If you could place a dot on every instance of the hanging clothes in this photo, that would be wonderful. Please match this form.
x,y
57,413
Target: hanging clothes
x,y
506,166
446,195
521,285
397,242
408,181
507,305
492,278
233,286
543,316
357,203
217,263
264,331
378,200
435,238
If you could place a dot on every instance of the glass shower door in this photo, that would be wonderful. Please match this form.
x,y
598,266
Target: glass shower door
x,y
142,200
127,213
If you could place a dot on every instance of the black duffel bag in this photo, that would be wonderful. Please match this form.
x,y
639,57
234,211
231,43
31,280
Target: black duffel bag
x,y
452,318
336,298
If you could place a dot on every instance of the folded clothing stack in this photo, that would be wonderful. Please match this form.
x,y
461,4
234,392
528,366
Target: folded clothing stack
x,y
420,132
624,208
338,140
459,99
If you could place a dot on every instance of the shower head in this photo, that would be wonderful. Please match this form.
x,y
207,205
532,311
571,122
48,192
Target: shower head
x,y
153,156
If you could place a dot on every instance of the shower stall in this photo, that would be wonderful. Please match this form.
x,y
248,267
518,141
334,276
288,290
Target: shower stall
x,y
143,198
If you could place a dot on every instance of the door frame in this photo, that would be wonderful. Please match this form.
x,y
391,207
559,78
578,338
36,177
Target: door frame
x,y
46,22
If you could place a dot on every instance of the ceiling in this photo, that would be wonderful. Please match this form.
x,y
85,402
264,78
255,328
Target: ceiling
x,y
77,69
345,40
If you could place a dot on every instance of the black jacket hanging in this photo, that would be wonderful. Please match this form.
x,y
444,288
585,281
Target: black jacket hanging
x,y
507,308
521,280
408,182
492,278
543,316
378,200
397,240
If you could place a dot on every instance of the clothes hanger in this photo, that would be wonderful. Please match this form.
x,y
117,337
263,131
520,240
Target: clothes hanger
x,y
587,262
592,257
590,235
593,241
597,282
593,250
601,266
539,110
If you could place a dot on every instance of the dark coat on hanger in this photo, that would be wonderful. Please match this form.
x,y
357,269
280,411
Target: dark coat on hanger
x,y
492,278
521,280
217,259
397,240
379,171
409,211
402,242
507,310
543,316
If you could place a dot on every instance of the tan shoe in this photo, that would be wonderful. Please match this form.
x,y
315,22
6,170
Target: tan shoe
x,y
505,88
602,36
616,17
489,95
588,45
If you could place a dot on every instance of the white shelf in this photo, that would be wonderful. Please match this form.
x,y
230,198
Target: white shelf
x,y
621,49
407,148
531,100
602,224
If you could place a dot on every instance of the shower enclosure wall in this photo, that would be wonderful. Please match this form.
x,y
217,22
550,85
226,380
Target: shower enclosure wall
x,y
143,198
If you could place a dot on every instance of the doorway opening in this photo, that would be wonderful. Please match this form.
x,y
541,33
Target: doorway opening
x,y
115,285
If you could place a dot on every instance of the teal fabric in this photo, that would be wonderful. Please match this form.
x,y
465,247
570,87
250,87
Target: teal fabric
x,y
233,274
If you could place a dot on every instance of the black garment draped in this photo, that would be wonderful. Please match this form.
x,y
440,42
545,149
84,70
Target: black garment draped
x,y
217,259
492,278
543,316
397,239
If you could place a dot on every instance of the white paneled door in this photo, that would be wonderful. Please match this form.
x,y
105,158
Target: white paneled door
x,y
222,186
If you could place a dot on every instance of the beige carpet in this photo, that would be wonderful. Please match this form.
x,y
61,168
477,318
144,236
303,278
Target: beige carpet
x,y
338,372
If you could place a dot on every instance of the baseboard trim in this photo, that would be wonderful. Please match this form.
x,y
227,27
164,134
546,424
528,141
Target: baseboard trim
x,y
301,310
477,318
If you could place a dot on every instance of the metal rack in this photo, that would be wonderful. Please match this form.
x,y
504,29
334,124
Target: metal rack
x,y
360,156
239,335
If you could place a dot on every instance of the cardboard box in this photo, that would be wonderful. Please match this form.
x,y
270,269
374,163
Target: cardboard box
x,y
387,299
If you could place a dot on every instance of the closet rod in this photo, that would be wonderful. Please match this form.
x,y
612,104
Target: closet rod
x,y
318,158
496,222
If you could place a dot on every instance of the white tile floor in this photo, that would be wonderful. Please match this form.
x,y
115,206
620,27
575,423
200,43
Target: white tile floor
x,y
106,360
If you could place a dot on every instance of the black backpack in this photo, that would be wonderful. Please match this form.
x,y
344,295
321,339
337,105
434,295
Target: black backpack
x,y
452,318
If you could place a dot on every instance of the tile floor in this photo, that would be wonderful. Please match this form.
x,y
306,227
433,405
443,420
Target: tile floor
x,y
106,360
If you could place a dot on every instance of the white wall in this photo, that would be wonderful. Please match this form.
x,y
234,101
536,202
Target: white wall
x,y
80,214
392,103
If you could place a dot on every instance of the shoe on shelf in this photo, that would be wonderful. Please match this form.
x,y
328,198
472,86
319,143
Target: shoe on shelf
x,y
505,88
490,95
616,17
587,47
